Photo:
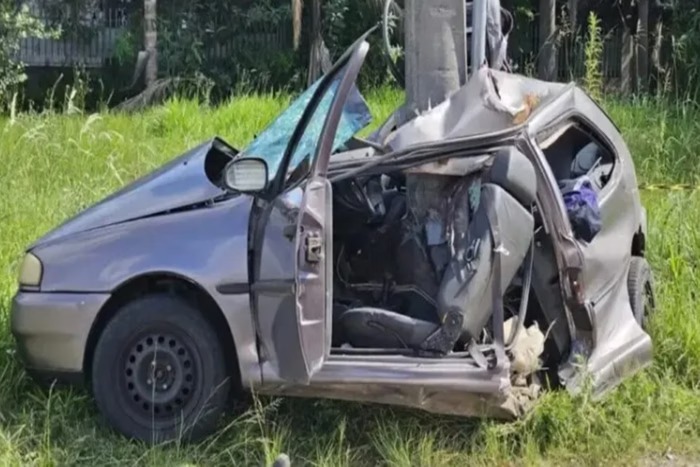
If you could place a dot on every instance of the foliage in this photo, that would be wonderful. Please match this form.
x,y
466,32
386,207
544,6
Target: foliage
x,y
247,45
594,51
685,30
80,19
125,47
228,43
16,22
335,25
344,21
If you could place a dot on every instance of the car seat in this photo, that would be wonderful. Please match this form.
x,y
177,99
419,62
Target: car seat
x,y
494,246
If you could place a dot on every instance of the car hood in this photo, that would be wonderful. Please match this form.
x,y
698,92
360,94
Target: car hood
x,y
187,180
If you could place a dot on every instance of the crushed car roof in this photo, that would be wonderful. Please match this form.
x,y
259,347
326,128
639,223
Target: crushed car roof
x,y
491,101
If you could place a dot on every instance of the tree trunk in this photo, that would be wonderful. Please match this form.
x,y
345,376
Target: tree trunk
x,y
572,7
658,72
628,17
627,69
297,9
547,68
642,53
319,58
150,41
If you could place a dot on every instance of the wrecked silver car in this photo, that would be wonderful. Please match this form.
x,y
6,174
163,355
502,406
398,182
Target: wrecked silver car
x,y
456,262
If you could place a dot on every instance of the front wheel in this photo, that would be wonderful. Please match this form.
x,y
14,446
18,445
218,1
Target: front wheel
x,y
159,372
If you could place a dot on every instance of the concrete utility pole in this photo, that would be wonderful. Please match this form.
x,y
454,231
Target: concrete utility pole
x,y
437,36
437,49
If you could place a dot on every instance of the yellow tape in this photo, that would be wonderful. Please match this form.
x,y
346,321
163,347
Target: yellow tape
x,y
668,187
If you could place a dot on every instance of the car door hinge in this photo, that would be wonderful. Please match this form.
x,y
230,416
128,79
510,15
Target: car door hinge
x,y
314,247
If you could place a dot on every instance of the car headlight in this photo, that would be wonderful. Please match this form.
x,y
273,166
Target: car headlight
x,y
30,272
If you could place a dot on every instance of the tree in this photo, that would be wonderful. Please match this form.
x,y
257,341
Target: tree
x,y
319,58
628,17
297,8
642,51
547,66
150,41
16,23
572,10
660,14
634,16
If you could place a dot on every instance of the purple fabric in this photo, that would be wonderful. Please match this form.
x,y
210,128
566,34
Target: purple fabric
x,y
581,203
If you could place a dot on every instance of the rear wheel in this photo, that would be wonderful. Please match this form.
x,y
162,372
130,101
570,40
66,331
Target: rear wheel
x,y
159,371
640,285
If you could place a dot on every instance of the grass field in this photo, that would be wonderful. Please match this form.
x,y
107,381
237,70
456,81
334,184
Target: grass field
x,y
53,165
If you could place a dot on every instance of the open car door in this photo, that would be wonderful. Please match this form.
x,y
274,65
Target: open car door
x,y
291,225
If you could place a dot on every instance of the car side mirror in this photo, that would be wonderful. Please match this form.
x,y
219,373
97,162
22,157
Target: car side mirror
x,y
247,175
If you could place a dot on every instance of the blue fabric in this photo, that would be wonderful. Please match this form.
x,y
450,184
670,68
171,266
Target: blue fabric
x,y
581,202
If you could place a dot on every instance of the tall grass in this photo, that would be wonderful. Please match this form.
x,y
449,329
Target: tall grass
x,y
53,166
593,80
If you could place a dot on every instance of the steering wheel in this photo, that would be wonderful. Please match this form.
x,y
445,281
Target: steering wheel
x,y
362,196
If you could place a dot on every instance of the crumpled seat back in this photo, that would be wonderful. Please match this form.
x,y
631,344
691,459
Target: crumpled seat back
x,y
502,225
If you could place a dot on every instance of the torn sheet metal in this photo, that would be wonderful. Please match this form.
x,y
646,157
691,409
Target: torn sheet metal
x,y
491,101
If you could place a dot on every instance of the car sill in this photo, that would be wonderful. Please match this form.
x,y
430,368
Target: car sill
x,y
454,374
382,355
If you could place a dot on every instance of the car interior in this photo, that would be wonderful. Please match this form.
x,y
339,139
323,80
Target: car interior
x,y
573,151
401,276
398,275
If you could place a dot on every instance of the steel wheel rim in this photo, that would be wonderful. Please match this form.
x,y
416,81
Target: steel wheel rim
x,y
160,376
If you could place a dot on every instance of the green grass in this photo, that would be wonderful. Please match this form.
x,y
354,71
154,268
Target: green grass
x,y
53,166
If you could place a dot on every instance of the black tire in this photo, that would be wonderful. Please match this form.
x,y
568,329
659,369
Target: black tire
x,y
159,372
640,286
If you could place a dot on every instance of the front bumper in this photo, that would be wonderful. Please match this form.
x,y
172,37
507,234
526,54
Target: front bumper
x,y
51,330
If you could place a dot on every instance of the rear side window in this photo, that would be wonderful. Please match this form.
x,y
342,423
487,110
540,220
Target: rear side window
x,y
573,150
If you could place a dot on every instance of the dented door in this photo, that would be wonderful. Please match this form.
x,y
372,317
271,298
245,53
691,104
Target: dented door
x,y
292,293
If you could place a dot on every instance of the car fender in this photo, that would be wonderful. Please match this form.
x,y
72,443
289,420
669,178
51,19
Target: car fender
x,y
207,246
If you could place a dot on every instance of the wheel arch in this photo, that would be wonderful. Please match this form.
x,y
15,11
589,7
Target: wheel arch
x,y
163,282
640,236
639,243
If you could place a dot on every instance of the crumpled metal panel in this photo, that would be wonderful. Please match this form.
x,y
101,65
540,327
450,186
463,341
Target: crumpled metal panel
x,y
490,102
507,406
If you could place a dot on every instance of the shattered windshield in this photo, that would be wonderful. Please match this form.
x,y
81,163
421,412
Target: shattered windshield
x,y
273,141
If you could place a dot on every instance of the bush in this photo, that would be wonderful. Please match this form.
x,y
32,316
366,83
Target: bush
x,y
15,23
685,29
343,22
